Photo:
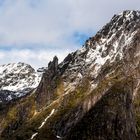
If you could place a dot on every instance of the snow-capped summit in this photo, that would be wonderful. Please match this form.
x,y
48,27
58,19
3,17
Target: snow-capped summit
x,y
18,78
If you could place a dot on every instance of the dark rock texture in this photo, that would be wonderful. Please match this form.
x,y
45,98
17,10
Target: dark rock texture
x,y
45,92
108,119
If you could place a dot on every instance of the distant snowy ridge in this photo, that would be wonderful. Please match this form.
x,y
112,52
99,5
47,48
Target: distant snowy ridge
x,y
17,78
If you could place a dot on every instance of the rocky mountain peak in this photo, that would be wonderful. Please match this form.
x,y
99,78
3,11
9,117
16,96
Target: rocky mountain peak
x,y
52,66
112,44
125,22
109,45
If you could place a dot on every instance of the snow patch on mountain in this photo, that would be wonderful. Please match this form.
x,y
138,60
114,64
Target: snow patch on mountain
x,y
34,135
43,123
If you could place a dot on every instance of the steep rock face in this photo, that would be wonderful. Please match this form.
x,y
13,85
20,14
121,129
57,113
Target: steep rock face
x,y
92,95
46,93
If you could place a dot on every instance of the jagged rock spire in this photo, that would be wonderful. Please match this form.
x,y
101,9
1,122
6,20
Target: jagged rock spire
x,y
52,66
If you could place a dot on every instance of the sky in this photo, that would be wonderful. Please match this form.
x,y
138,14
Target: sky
x,y
34,31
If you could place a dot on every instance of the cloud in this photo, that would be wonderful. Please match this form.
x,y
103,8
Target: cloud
x,y
2,55
37,59
54,25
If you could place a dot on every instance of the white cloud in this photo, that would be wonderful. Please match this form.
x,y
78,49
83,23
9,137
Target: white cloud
x,y
52,23
2,55
37,59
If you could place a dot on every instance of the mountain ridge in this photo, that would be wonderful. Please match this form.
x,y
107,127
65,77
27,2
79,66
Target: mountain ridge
x,y
93,94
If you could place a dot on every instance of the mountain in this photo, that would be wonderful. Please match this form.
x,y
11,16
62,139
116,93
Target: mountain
x,y
94,94
16,80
